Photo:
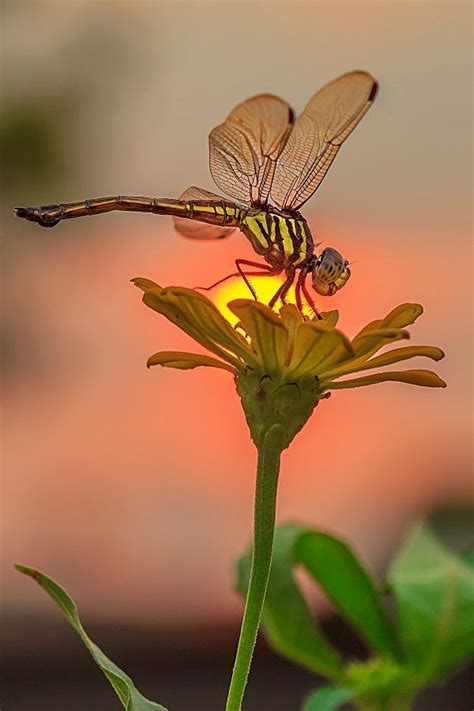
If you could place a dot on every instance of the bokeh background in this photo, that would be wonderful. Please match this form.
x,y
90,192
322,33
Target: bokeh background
x,y
134,488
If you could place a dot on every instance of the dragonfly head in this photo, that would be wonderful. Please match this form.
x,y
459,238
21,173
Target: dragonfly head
x,y
330,272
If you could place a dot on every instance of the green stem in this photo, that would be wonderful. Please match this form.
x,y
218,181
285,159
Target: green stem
x,y
268,468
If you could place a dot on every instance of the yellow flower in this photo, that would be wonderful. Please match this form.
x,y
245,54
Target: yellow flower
x,y
283,366
282,354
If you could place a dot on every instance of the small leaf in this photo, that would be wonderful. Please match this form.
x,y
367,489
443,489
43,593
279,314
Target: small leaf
x,y
380,680
123,686
328,698
287,621
434,592
333,565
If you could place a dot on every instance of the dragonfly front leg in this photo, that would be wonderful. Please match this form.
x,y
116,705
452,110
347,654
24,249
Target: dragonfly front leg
x,y
301,287
263,270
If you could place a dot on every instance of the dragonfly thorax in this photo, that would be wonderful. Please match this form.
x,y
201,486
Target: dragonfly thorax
x,y
283,239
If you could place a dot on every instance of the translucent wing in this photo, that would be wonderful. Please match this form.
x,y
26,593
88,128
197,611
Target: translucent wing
x,y
244,149
199,230
328,119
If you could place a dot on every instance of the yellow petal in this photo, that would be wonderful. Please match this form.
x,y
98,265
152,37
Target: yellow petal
x,y
185,361
330,317
145,284
316,343
403,315
399,317
292,318
268,334
366,344
394,356
425,378
200,319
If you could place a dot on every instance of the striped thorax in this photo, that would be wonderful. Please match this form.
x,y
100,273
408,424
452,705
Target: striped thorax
x,y
283,240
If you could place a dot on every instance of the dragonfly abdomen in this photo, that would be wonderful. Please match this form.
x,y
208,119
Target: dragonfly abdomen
x,y
214,212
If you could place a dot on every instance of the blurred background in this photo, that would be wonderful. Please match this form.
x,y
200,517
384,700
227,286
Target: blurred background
x,y
134,488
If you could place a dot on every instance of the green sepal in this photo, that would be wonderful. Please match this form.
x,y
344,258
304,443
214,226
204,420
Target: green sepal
x,y
131,698
268,401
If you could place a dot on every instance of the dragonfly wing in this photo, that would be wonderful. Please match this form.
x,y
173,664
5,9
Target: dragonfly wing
x,y
199,230
244,149
328,119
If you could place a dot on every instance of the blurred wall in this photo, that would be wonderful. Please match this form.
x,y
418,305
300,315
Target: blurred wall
x,y
135,487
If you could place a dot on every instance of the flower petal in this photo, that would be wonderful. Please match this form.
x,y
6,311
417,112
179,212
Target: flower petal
x,y
268,334
425,378
316,343
200,319
394,356
399,317
330,317
292,318
145,284
185,361
366,344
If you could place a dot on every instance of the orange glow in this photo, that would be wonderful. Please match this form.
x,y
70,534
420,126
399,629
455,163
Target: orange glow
x,y
265,287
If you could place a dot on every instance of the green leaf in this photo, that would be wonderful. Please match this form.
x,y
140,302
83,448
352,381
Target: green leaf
x,y
333,565
434,592
287,621
327,699
123,686
468,558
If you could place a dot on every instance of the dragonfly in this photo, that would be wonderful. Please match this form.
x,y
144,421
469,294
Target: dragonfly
x,y
269,163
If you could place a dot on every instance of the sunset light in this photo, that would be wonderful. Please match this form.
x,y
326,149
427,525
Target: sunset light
x,y
265,287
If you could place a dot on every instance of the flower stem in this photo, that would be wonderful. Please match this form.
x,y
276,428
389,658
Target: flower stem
x,y
268,468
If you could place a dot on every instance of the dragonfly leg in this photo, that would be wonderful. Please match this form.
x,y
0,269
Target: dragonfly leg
x,y
216,283
263,269
301,287
282,290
